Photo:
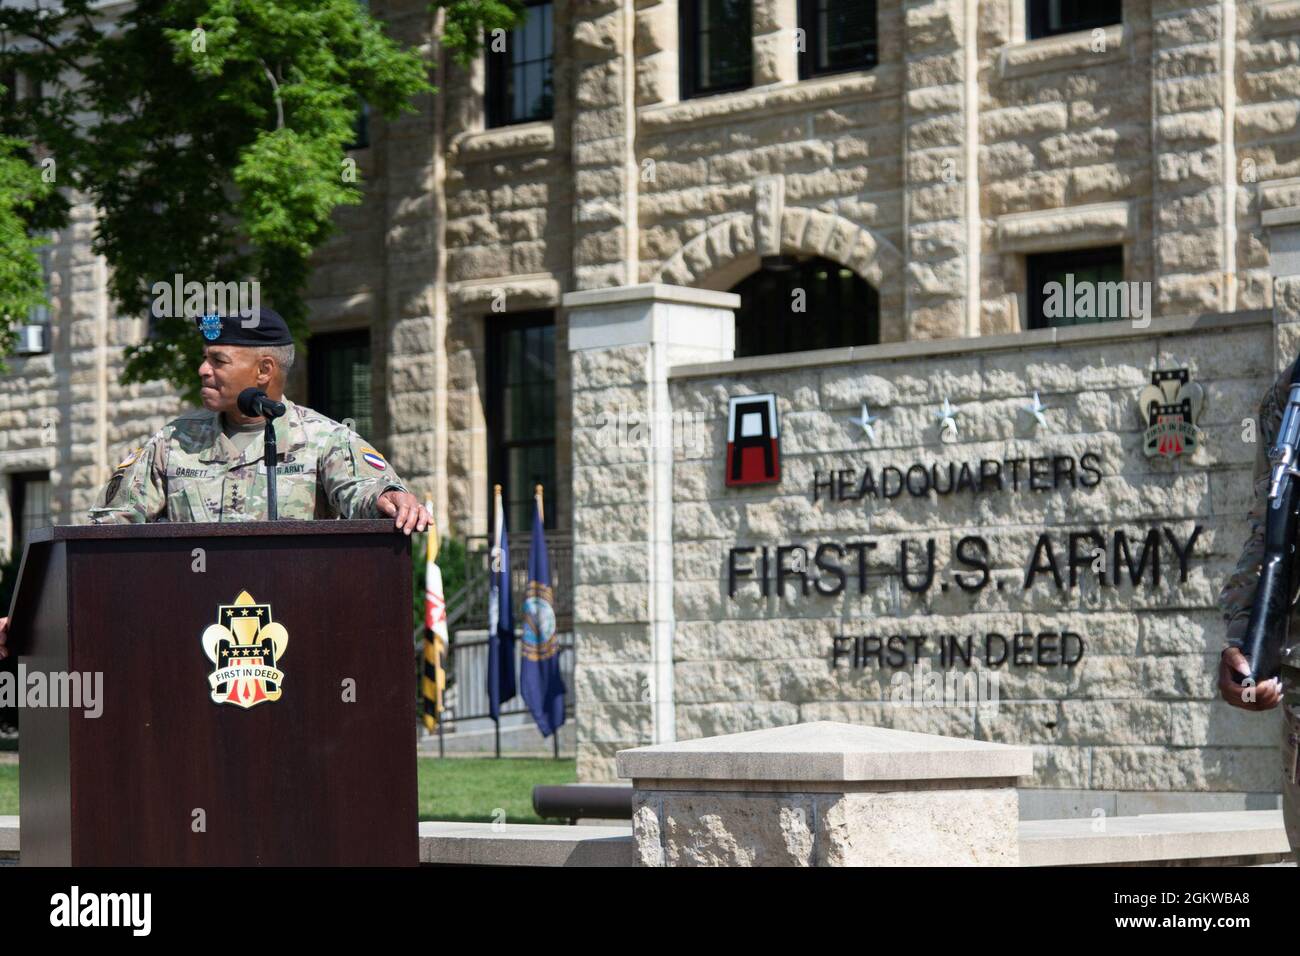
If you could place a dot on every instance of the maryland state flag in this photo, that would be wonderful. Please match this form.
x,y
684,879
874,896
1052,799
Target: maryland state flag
x,y
433,678
543,688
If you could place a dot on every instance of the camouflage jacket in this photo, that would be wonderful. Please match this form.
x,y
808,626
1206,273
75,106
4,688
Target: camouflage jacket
x,y
1238,592
190,471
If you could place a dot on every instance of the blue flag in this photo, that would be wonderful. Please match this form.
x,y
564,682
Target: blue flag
x,y
543,688
501,622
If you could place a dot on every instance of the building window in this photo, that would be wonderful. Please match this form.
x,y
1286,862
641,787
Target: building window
x,y
716,46
796,303
338,378
361,130
838,35
29,500
519,74
521,413
1077,287
1048,18
40,313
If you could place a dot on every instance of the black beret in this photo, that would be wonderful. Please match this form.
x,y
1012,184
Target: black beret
x,y
263,327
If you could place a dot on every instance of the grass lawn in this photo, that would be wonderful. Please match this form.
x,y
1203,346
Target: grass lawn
x,y
470,789
474,789
8,788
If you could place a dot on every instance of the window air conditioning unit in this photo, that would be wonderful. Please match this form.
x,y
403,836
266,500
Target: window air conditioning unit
x,y
31,340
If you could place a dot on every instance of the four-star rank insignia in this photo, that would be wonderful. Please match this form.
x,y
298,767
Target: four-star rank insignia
x,y
1169,407
245,648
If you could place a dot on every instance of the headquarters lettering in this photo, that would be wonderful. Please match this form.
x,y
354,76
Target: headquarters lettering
x,y
1045,473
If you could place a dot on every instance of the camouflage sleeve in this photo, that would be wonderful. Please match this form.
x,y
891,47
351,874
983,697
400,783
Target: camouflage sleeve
x,y
136,492
1238,592
354,474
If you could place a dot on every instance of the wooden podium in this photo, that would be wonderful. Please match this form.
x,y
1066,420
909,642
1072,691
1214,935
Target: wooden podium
x,y
316,768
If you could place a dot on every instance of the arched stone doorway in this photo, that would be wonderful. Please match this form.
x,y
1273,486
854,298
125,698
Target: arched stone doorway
x,y
794,303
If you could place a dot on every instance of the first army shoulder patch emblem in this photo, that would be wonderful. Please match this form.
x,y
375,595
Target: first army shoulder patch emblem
x,y
245,648
373,459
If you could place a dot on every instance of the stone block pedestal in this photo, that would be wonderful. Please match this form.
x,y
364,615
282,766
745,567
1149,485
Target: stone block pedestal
x,y
826,794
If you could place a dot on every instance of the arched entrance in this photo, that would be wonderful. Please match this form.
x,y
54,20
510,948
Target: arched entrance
x,y
794,303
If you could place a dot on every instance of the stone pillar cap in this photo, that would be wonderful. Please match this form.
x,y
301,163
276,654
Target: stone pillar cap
x,y
828,751
650,292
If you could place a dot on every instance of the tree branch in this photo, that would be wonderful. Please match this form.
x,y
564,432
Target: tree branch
x,y
275,88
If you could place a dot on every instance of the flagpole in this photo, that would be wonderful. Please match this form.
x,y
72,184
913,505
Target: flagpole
x,y
497,511
541,516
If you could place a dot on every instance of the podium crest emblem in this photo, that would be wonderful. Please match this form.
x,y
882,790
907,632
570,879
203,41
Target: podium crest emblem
x,y
245,647
1169,407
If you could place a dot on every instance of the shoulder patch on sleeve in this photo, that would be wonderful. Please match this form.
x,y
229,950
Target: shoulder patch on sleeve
x,y
373,458
110,492
129,460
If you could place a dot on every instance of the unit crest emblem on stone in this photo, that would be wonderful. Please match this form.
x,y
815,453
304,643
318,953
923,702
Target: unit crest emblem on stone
x,y
1169,407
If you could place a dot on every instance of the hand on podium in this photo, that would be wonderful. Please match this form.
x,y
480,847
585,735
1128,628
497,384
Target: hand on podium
x,y
409,514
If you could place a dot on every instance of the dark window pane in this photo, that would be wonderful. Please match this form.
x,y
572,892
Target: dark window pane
x,y
813,303
1078,287
521,412
519,77
338,378
839,35
716,39
1051,17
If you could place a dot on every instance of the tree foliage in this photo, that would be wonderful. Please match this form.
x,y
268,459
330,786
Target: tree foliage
x,y
212,135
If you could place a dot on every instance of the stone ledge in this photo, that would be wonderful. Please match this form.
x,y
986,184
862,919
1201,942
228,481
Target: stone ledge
x,y
524,844
1066,227
1214,838
725,107
1281,17
483,844
1279,193
1011,341
27,459
825,751
651,292
1152,838
1060,53
534,290
1287,216
8,834
475,145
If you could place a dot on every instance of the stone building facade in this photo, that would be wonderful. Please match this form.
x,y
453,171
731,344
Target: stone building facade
x,y
930,175
934,176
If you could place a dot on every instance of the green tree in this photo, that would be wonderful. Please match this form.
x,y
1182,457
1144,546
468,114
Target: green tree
x,y
211,134
22,281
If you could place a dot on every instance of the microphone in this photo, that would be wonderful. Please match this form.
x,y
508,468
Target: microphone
x,y
255,403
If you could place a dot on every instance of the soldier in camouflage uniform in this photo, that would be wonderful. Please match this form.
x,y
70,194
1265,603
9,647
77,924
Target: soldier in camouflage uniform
x,y
1236,599
208,465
